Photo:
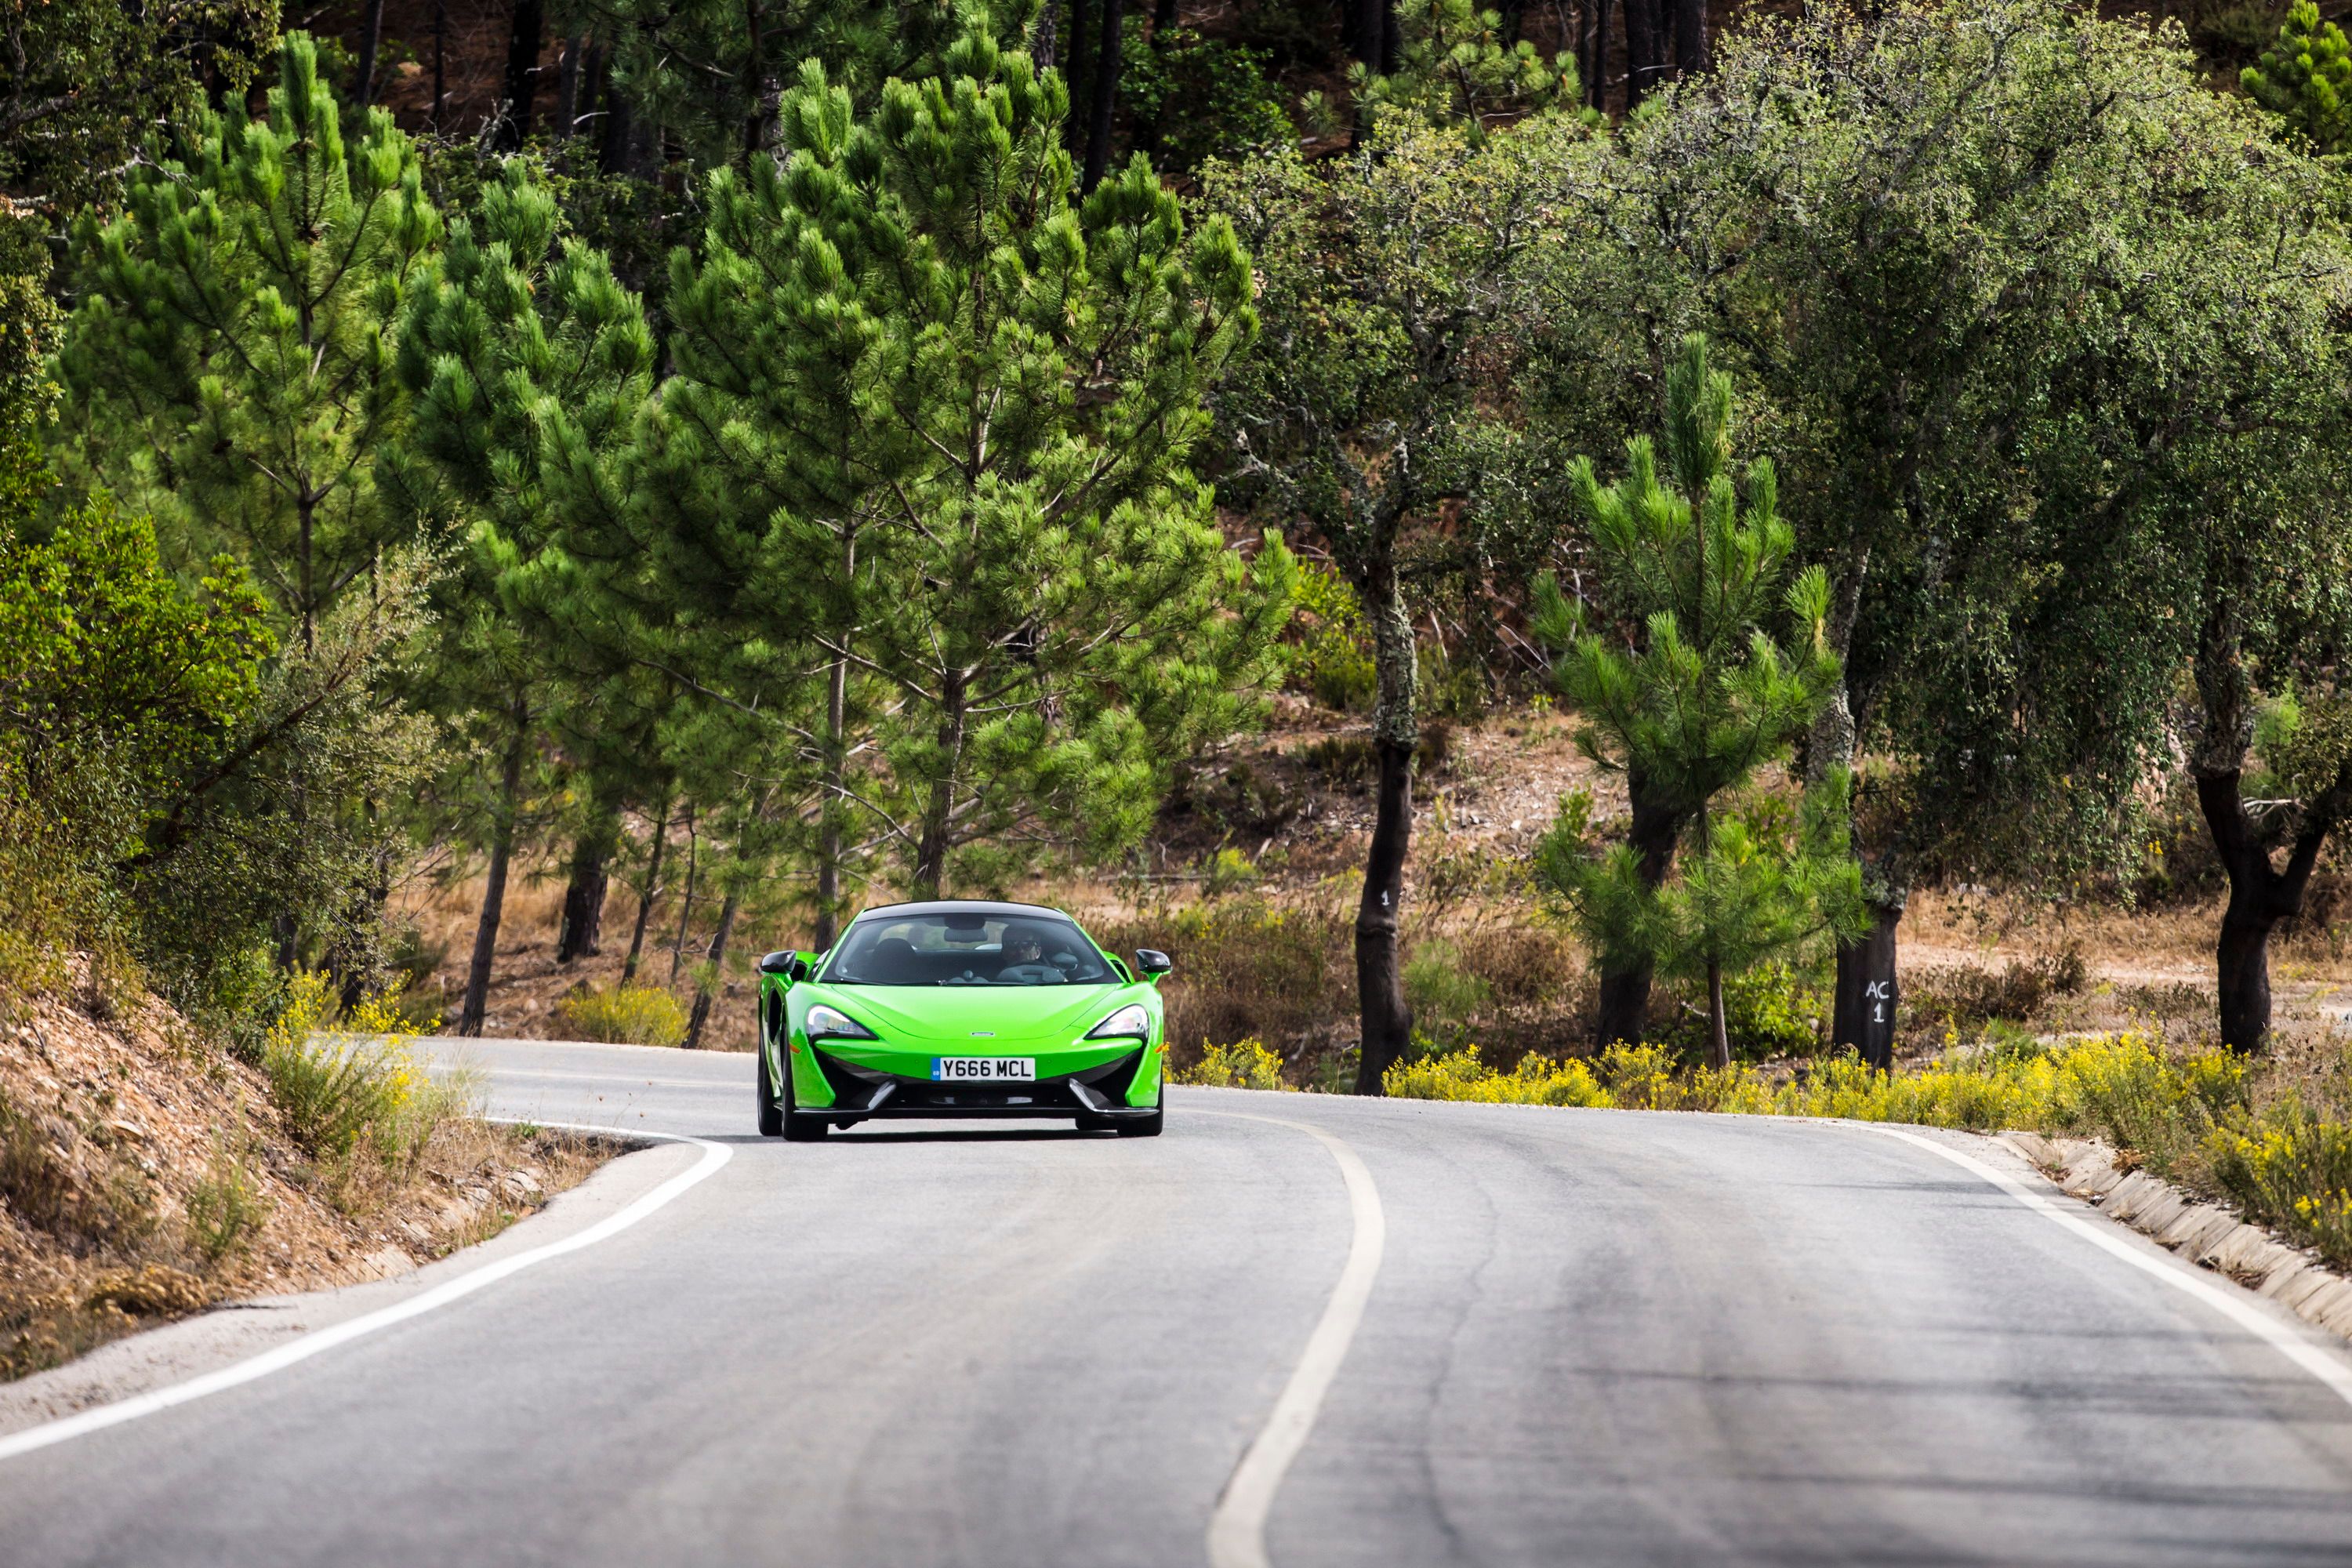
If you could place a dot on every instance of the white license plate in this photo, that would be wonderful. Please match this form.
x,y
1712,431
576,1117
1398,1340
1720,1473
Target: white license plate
x,y
983,1069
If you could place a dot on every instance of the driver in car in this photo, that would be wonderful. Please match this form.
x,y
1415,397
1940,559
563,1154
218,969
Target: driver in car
x,y
1024,953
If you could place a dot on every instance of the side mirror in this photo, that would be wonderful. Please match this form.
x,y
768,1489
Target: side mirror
x,y
789,965
1151,963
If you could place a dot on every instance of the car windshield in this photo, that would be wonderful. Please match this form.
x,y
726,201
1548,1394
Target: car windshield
x,y
958,949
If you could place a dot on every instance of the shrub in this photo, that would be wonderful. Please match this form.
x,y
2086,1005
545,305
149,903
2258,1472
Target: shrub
x,y
1444,994
1460,1075
1967,997
1335,651
2290,1166
1245,1064
227,1206
626,1015
362,1090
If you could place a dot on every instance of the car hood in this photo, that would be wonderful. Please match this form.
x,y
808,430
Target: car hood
x,y
1010,1015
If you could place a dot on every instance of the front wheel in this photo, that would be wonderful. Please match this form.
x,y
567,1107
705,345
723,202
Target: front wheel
x,y
1131,1126
772,1115
800,1127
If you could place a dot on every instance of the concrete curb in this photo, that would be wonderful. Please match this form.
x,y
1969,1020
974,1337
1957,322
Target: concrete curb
x,y
2206,1234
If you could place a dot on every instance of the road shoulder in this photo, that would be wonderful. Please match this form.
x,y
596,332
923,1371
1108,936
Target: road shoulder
x,y
235,1331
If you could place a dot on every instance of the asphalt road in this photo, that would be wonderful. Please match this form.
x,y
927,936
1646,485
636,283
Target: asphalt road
x,y
1593,1337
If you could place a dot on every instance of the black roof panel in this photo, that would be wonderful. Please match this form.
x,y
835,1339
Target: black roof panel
x,y
961,906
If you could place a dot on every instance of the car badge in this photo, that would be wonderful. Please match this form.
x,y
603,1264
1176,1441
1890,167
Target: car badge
x,y
983,1034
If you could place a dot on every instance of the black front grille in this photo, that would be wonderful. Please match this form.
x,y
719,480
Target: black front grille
x,y
855,1089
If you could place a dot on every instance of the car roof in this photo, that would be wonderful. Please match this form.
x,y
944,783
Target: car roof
x,y
960,906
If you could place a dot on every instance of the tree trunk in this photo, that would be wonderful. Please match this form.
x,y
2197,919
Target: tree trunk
x,y
1690,38
836,773
1044,44
371,36
613,148
686,908
2261,897
1625,987
494,894
1076,75
652,891
931,852
717,955
1163,16
755,82
1103,91
1645,48
1391,38
523,43
1719,1028
1367,31
1867,995
440,47
567,89
1385,1020
1592,51
580,932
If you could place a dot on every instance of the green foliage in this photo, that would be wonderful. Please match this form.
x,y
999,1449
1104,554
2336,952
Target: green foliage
x,y
1705,694
1333,653
1194,97
227,367
2292,1165
1461,1075
626,1014
1699,697
1444,994
1245,1064
357,1091
1770,1012
83,82
927,435
2305,78
104,651
705,73
1455,66
157,744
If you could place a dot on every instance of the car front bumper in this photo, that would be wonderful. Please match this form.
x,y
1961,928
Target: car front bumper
x,y
861,1093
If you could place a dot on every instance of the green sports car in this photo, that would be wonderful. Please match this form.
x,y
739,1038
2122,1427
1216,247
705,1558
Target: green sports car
x,y
960,1008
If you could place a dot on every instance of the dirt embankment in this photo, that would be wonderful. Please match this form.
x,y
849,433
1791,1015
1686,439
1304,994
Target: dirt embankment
x,y
145,1174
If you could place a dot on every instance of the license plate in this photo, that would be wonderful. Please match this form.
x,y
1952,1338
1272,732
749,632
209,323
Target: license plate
x,y
983,1069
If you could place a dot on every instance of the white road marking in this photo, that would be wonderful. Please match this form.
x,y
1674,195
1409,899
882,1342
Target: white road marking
x,y
1237,1528
2329,1368
619,1084
714,1155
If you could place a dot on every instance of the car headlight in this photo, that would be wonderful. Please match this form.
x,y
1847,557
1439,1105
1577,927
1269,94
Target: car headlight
x,y
831,1024
1131,1021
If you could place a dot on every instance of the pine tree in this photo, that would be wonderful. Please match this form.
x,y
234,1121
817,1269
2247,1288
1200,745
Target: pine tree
x,y
1456,66
917,488
522,322
228,366
2305,78
1685,693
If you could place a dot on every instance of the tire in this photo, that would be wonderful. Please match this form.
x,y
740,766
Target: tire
x,y
802,1127
772,1115
1132,1127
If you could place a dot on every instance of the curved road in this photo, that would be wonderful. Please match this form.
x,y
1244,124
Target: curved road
x,y
1594,1338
